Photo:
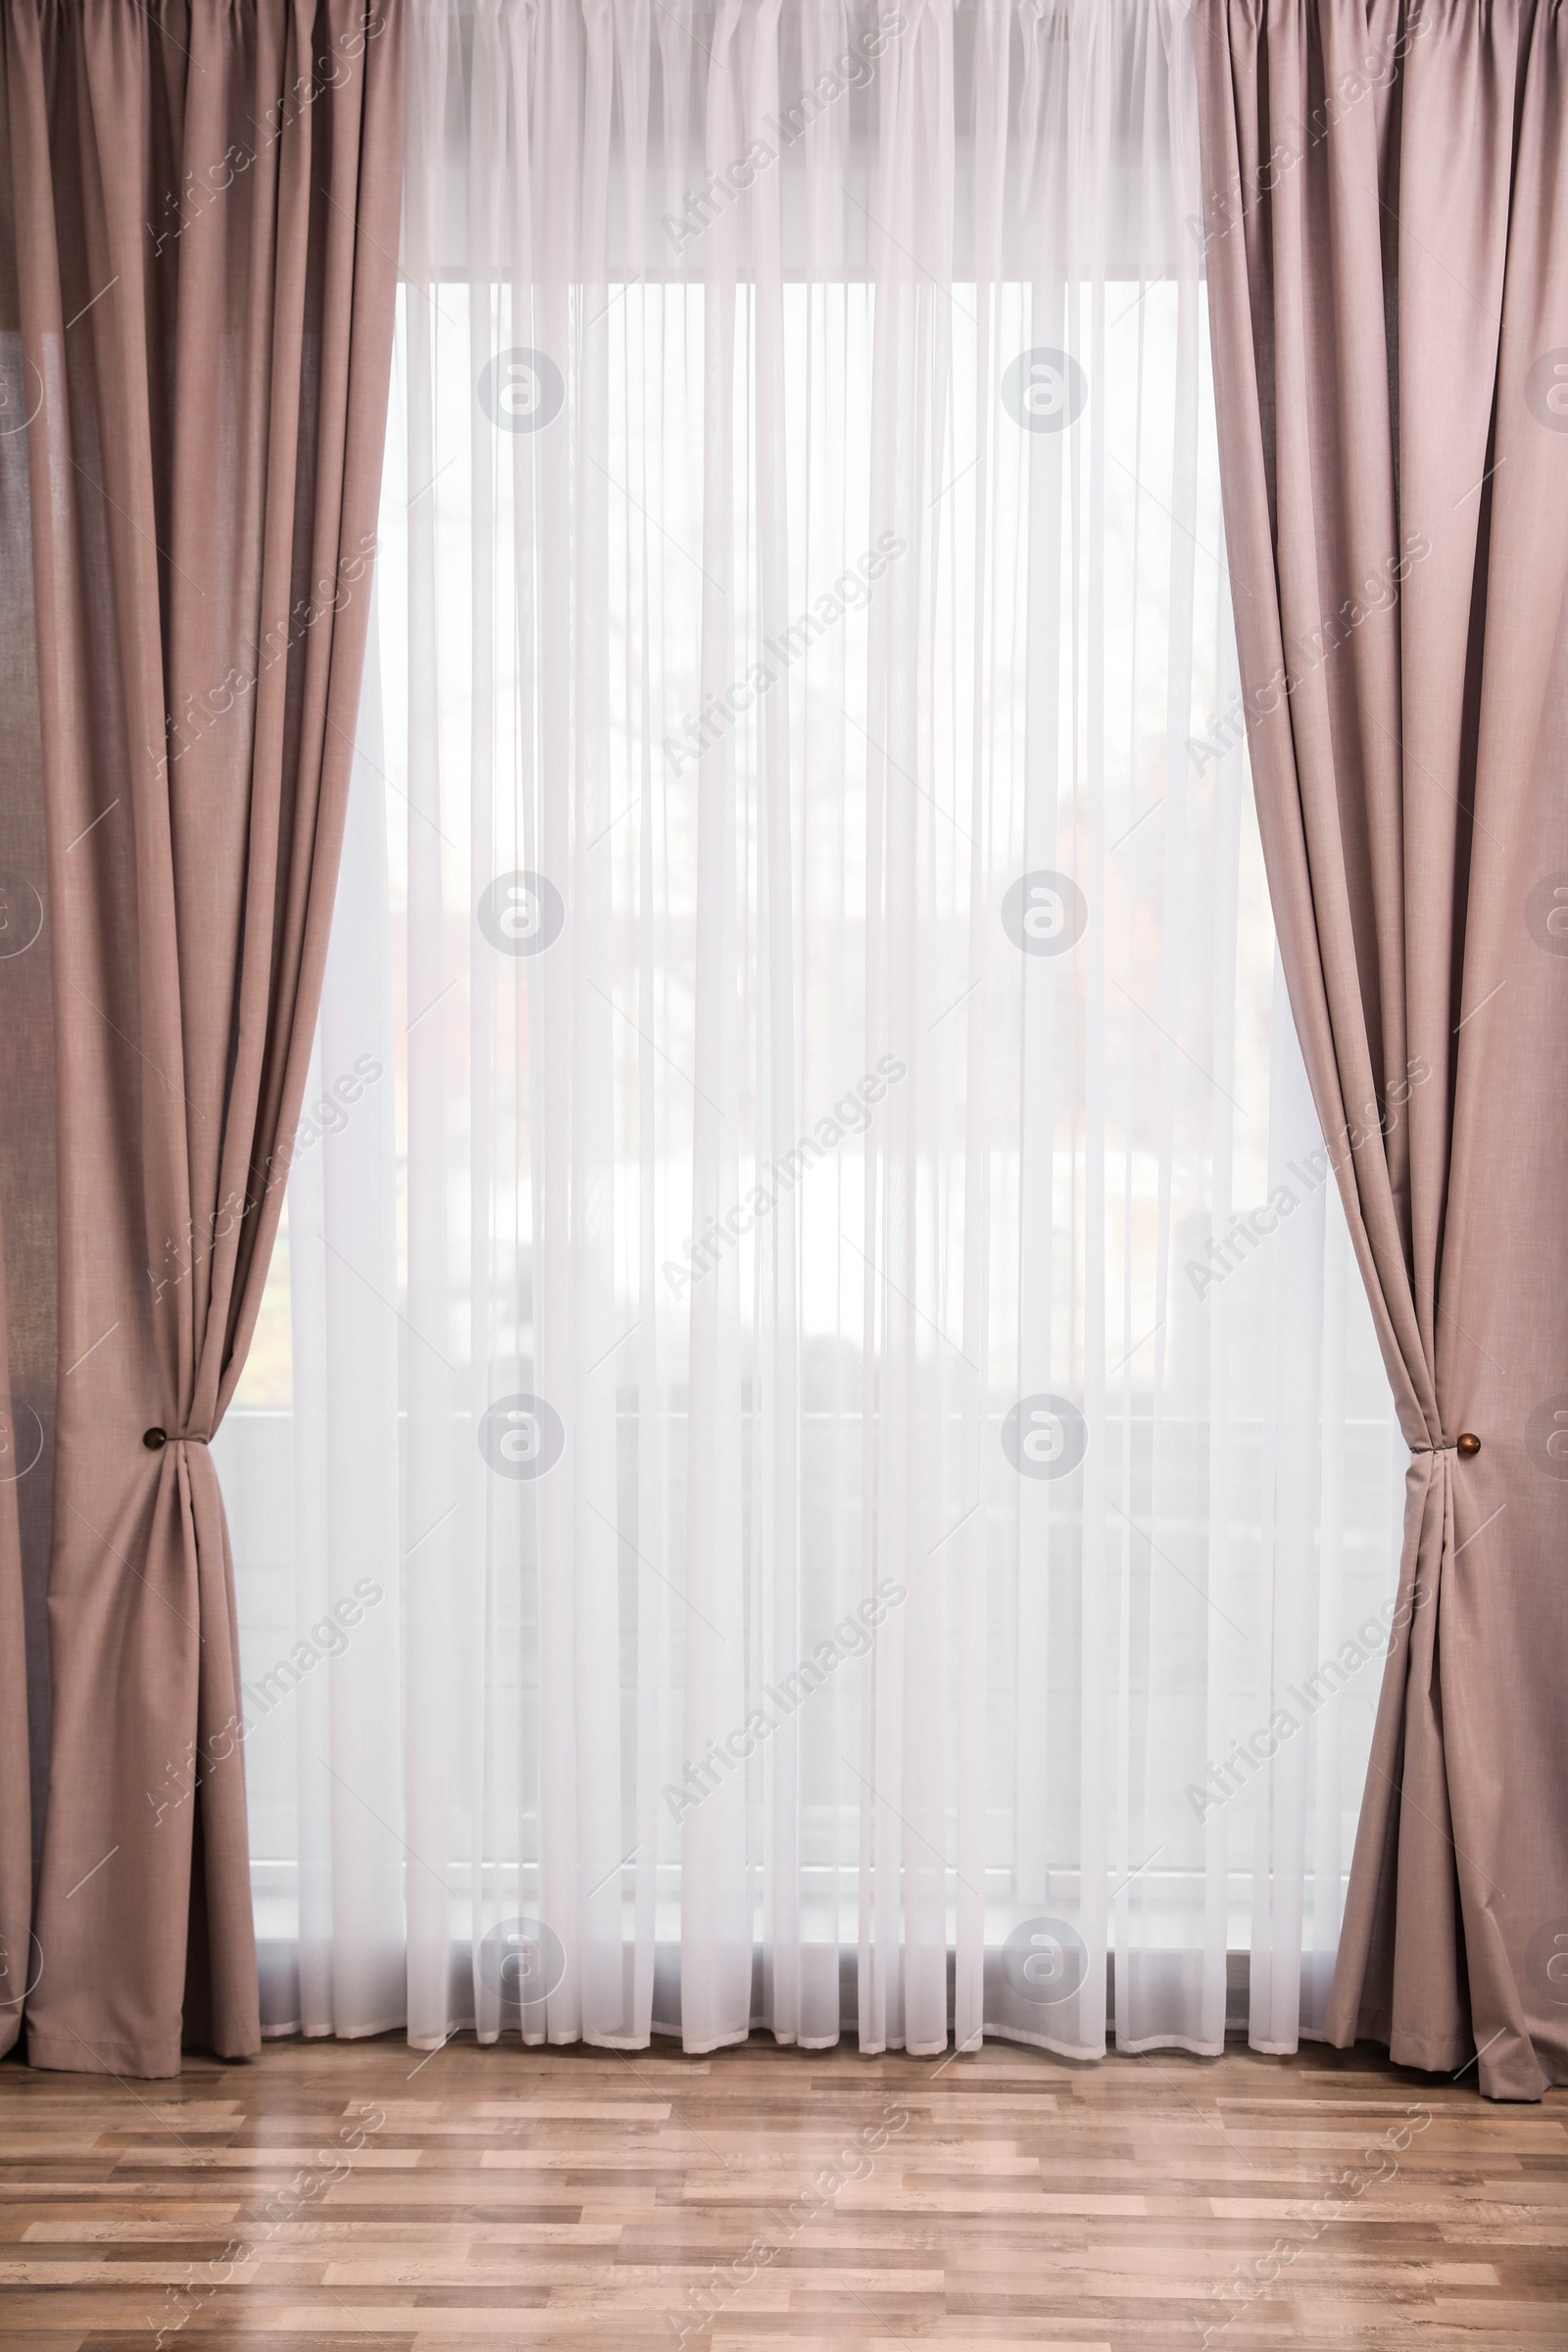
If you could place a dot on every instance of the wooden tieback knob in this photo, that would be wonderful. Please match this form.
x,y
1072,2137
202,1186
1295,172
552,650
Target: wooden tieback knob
x,y
1469,1443
154,1438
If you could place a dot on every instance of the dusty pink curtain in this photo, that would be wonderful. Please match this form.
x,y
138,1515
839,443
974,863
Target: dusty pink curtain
x,y
1385,237
202,208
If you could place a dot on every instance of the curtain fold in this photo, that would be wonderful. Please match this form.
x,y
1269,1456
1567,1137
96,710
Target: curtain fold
x,y
1384,226
204,207
18,1459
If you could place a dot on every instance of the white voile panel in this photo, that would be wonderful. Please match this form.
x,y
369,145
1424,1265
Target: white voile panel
x,y
888,1435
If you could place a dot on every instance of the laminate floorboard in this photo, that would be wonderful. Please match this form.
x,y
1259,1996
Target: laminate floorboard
x,y
357,2194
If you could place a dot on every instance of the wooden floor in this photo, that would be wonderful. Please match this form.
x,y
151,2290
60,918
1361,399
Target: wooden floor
x,y
354,2195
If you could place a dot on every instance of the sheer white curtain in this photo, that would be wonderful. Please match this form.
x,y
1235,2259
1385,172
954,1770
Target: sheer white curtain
x,y
819,1456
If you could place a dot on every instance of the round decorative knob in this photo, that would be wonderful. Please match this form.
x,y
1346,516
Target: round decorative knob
x,y
1469,1443
153,1438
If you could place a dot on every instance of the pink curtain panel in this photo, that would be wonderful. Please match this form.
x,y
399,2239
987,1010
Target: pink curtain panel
x,y
205,215
1385,229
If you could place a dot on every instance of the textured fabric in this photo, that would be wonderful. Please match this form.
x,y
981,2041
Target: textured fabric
x,y
204,215
807,971
1386,231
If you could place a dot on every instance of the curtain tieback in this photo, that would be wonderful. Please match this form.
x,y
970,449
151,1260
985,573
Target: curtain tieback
x,y
1466,1443
155,1440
